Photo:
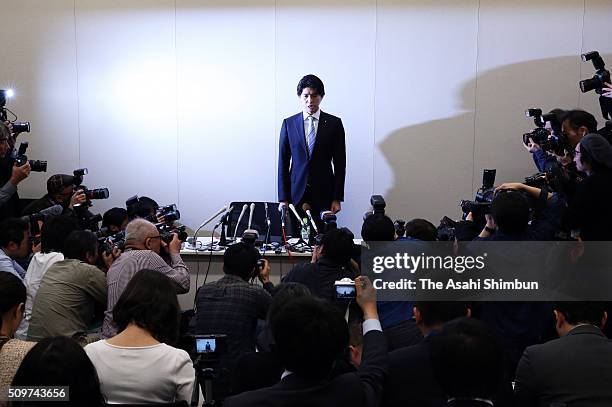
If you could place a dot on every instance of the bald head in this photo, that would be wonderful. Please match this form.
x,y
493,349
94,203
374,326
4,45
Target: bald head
x,y
138,230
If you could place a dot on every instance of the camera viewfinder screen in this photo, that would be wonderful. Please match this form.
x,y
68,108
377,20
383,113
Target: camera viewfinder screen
x,y
205,345
345,291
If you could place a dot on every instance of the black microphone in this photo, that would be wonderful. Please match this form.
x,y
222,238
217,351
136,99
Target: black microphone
x,y
283,209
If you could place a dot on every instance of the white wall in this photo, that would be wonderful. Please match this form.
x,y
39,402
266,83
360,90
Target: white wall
x,y
182,100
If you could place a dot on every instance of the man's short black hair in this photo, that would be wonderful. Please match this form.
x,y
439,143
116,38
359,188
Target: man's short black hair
x,y
510,209
467,359
310,334
13,230
54,232
240,259
421,229
440,312
378,228
145,207
578,118
79,244
581,312
338,246
311,81
115,217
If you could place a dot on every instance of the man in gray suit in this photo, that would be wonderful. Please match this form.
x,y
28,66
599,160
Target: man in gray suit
x,y
575,369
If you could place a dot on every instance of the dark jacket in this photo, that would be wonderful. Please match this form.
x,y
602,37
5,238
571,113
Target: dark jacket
x,y
362,388
575,369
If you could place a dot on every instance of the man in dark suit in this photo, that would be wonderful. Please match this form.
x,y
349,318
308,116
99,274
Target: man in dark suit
x,y
575,369
410,381
310,334
310,142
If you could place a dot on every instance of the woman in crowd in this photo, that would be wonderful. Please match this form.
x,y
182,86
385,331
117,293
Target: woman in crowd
x,y
139,365
12,351
60,362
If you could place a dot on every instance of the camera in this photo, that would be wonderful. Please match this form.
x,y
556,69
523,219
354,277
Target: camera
x,y
601,77
21,127
166,231
18,127
548,141
97,193
484,196
21,159
400,227
208,348
345,289
169,212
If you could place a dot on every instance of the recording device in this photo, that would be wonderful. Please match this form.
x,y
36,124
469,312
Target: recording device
x,y
294,211
106,243
283,211
251,210
97,193
548,141
21,159
244,208
18,127
206,344
167,230
400,227
598,82
484,196
306,208
41,216
345,289
170,213
206,354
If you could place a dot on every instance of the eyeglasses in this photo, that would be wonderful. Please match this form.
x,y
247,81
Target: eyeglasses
x,y
154,237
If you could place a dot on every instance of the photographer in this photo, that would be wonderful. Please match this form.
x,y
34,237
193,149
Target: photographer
x,y
143,244
115,220
331,262
60,191
510,214
232,306
14,244
9,169
589,212
542,159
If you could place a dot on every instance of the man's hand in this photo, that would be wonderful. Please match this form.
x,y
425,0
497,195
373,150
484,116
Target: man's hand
x,y
607,91
532,147
36,246
20,173
264,272
336,207
490,221
110,257
174,247
77,198
510,185
366,297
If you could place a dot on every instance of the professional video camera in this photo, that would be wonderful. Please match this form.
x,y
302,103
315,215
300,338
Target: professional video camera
x,y
555,141
551,180
598,82
345,289
170,213
18,127
206,354
21,159
484,196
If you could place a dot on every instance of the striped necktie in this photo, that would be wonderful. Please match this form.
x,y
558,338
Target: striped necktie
x,y
311,136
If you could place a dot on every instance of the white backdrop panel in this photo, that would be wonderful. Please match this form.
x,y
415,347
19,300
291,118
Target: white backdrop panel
x,y
127,98
38,62
425,68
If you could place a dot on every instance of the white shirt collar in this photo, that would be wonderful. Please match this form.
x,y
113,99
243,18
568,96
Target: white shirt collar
x,y
306,115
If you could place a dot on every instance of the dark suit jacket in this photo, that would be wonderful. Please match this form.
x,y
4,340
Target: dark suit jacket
x,y
363,388
296,168
575,369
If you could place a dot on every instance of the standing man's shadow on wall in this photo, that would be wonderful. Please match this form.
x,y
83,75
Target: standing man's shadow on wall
x,y
437,163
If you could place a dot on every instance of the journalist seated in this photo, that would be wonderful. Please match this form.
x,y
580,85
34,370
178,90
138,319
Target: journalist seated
x,y
573,370
589,212
310,335
71,291
143,244
53,235
331,262
411,381
60,191
14,244
12,351
140,365
17,174
467,363
232,306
